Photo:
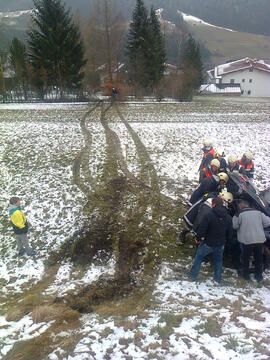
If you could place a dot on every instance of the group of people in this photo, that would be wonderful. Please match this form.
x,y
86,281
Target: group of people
x,y
216,219
214,169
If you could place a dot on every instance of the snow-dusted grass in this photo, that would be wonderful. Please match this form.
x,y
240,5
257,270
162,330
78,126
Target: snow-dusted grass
x,y
180,320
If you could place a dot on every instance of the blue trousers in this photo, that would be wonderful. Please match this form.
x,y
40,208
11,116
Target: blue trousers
x,y
202,251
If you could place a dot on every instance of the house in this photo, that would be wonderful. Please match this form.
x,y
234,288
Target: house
x,y
252,75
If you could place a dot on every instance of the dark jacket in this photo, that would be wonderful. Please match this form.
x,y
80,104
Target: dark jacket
x,y
205,173
207,185
208,155
223,164
246,168
229,169
215,227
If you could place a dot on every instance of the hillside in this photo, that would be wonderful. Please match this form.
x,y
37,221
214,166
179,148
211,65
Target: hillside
x,y
218,43
241,15
225,44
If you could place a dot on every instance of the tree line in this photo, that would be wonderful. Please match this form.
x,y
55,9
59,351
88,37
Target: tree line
x,y
65,57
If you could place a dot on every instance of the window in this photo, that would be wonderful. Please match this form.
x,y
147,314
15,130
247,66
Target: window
x,y
232,81
250,80
243,80
249,92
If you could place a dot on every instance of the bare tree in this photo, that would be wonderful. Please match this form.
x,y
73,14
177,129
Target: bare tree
x,y
104,38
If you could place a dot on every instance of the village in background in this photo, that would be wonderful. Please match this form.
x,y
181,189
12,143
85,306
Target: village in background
x,y
64,56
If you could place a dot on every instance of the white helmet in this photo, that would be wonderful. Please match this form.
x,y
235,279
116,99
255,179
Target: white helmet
x,y
226,196
248,155
232,159
215,162
207,142
223,177
220,152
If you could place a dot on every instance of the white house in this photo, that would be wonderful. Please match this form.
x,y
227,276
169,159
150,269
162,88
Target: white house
x,y
252,75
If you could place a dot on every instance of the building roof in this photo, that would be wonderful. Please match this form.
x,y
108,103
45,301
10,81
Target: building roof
x,y
220,89
238,65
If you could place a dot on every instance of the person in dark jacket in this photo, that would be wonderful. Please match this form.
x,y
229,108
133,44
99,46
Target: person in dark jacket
x,y
250,226
220,156
208,185
208,154
233,164
211,169
213,231
246,165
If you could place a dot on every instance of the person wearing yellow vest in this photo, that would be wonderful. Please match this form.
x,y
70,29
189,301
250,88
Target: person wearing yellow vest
x,y
20,227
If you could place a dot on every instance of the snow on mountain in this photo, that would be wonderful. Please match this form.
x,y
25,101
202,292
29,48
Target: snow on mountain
x,y
166,22
193,20
189,19
14,14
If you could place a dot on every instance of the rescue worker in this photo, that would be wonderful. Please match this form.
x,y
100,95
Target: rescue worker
x,y
208,185
213,231
233,164
208,154
220,155
247,165
211,169
194,215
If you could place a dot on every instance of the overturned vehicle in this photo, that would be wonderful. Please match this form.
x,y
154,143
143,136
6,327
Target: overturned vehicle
x,y
242,189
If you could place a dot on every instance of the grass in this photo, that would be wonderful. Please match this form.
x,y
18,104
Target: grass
x,y
231,343
225,45
171,320
139,249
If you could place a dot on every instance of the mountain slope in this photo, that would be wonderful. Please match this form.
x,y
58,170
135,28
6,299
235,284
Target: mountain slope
x,y
218,44
225,44
241,15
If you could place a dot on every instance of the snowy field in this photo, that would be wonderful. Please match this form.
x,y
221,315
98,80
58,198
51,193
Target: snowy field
x,y
38,145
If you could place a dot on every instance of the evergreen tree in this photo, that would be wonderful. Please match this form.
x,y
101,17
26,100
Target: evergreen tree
x,y
190,60
137,46
18,62
55,46
145,48
156,53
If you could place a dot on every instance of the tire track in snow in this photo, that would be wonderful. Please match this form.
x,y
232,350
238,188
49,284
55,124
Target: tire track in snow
x,y
82,159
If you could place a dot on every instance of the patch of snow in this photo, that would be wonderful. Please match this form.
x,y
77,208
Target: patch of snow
x,y
15,14
195,20
49,139
22,330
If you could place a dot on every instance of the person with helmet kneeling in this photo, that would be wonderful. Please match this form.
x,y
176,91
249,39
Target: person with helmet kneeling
x,y
211,169
208,185
233,164
220,156
208,154
247,165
